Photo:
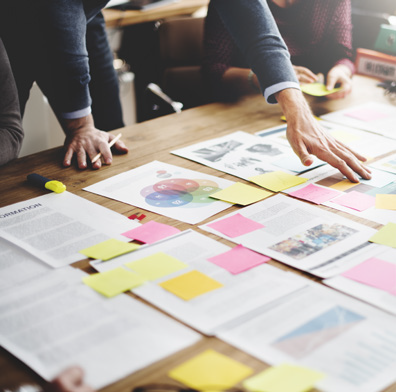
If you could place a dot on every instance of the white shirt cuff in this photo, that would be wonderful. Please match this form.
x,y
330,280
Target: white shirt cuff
x,y
77,114
275,88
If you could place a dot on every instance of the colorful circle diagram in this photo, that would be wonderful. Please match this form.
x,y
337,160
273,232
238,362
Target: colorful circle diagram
x,y
180,192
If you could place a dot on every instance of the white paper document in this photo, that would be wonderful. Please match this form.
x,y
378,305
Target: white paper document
x,y
56,321
55,227
387,164
363,142
165,189
239,295
244,155
18,266
372,295
301,235
382,182
374,117
352,343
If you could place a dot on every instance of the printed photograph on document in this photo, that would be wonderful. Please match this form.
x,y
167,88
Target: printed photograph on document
x,y
351,342
165,189
313,240
300,235
218,151
306,338
240,154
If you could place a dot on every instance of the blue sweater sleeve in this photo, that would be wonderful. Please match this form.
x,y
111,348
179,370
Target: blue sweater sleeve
x,y
255,32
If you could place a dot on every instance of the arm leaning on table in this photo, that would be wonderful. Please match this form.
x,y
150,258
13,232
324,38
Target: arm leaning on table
x,y
66,21
254,30
11,133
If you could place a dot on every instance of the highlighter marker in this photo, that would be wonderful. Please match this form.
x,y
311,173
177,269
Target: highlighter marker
x,y
52,185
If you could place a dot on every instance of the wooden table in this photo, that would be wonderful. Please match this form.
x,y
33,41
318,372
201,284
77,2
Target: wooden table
x,y
118,18
148,141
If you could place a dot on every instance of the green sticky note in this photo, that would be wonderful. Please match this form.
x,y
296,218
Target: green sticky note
x,y
156,266
284,378
277,181
113,282
241,194
317,89
190,285
108,249
386,235
210,370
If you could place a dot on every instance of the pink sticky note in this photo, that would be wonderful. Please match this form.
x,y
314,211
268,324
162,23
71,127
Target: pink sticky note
x,y
376,273
315,194
238,259
366,114
355,200
235,225
151,232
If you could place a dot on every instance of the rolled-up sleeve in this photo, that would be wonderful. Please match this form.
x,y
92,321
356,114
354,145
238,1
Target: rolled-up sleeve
x,y
255,32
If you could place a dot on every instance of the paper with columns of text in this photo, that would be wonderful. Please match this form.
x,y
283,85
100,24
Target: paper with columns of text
x,y
301,235
350,342
55,227
236,298
108,338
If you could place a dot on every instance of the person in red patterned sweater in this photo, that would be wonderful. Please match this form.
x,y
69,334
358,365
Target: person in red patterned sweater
x,y
318,34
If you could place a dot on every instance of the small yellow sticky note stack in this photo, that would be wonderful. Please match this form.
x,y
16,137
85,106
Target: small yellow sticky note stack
x,y
156,266
284,378
385,202
113,282
210,370
109,249
242,194
317,89
277,181
190,285
386,235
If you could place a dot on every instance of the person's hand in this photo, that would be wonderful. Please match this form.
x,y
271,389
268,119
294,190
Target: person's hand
x,y
307,138
84,140
339,75
305,75
70,380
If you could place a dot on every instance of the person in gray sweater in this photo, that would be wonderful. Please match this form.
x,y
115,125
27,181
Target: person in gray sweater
x,y
11,132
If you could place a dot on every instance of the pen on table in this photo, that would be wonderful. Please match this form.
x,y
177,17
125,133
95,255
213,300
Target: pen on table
x,y
52,185
111,144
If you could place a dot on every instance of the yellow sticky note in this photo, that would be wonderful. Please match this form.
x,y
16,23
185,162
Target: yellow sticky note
x,y
191,285
386,235
385,202
108,249
284,378
242,194
277,181
343,136
156,266
113,282
210,370
343,185
317,89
